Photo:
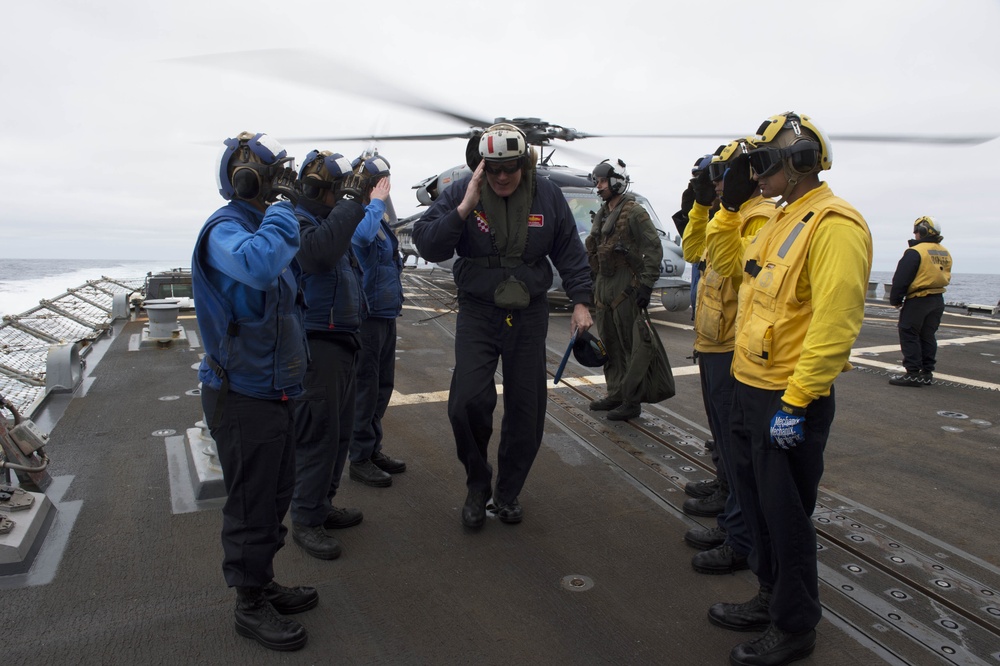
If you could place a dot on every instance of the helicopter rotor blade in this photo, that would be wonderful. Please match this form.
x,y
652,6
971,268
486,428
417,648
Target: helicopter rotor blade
x,y
468,134
867,138
318,71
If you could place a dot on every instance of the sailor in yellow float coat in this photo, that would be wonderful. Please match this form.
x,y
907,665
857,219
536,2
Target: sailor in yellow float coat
x,y
801,306
725,548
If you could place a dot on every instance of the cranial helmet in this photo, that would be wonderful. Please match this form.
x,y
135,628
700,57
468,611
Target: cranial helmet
x,y
614,171
702,163
927,227
502,141
247,165
791,142
320,172
376,166
725,153
589,350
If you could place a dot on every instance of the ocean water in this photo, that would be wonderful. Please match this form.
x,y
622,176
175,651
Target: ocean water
x,y
24,282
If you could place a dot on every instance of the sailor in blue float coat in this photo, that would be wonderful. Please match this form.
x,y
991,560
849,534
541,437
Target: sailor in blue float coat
x,y
378,250
328,213
250,316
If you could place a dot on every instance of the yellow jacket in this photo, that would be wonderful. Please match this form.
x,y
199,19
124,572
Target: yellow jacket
x,y
715,309
803,297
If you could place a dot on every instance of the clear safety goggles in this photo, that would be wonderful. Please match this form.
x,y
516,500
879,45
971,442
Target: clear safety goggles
x,y
507,166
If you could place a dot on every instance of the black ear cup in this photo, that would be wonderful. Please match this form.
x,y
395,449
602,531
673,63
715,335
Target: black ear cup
x,y
246,183
806,159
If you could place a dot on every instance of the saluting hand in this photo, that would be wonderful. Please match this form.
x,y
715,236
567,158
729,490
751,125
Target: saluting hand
x,y
472,192
381,189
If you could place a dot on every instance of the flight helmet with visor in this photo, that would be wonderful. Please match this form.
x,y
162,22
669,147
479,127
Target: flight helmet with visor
x,y
248,164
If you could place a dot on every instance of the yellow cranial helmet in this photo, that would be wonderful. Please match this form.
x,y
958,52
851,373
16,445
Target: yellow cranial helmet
x,y
793,141
720,161
926,226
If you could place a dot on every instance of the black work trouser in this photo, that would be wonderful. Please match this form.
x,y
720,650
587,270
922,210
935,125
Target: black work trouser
x,y
482,337
717,384
324,421
256,448
376,377
918,322
777,493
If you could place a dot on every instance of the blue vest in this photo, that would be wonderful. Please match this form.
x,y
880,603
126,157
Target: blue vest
x,y
262,358
335,301
382,266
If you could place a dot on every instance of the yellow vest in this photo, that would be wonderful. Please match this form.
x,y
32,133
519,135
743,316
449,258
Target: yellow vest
x,y
772,322
934,273
715,307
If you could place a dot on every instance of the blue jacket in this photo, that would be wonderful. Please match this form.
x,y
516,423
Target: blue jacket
x,y
378,250
331,274
249,307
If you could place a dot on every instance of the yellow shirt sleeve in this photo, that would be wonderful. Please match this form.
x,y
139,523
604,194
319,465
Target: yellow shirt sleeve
x,y
724,243
835,279
693,242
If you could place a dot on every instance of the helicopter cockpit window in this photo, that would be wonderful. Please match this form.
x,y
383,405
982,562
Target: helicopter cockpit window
x,y
585,206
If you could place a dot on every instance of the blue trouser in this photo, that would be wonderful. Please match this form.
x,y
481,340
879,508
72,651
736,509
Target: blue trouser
x,y
324,419
777,492
717,383
256,448
482,336
376,375
918,322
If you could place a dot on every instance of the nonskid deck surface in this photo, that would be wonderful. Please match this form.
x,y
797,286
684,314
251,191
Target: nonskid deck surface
x,y
597,572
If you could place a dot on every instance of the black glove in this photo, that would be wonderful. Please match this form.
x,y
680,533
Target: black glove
x,y
704,189
353,187
688,198
642,295
737,185
285,182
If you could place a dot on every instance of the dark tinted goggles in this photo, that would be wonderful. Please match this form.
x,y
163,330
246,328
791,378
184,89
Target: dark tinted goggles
x,y
765,161
716,170
507,166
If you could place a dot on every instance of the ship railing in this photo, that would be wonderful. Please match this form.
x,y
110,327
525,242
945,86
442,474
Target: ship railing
x,y
43,349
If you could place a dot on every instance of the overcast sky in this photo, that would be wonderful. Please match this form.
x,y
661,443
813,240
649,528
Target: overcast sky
x,y
112,143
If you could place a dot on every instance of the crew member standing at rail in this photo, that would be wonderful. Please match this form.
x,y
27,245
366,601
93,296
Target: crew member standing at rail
x,y
918,288
725,547
244,279
625,254
801,306
329,211
505,224
378,251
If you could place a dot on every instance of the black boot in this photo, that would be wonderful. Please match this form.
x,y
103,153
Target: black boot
x,y
625,411
291,600
701,488
705,538
257,619
474,511
315,541
604,404
387,464
720,560
710,506
369,474
750,615
908,379
774,648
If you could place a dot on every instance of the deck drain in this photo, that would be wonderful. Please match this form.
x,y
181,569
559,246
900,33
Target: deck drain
x,y
948,414
168,398
898,594
193,392
854,568
577,583
983,423
166,432
196,366
952,429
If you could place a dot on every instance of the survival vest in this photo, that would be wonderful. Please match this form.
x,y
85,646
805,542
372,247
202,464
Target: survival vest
x,y
335,299
264,358
772,322
934,273
715,307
